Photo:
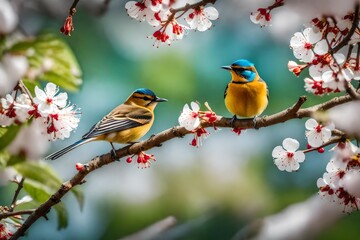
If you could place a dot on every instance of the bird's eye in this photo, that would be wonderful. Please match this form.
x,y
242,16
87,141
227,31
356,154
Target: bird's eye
x,y
239,71
146,98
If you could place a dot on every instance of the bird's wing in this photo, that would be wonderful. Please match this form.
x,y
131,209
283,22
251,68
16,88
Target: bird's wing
x,y
121,118
225,92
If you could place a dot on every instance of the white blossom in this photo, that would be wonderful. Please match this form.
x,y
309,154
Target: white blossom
x,y
286,157
199,19
317,134
303,44
189,117
47,100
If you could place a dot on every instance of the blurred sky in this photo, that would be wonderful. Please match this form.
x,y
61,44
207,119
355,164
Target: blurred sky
x,y
230,178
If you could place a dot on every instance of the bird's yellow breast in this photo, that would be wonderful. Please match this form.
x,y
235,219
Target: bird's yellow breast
x,y
246,99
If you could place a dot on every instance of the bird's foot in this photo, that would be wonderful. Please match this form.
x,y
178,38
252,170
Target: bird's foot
x,y
255,121
233,119
113,153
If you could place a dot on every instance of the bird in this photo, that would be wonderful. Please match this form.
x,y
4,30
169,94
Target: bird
x,y
126,123
246,95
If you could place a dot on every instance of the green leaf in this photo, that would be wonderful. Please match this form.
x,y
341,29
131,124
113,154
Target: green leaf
x,y
63,70
30,85
4,158
15,159
27,205
38,191
41,181
79,195
7,135
40,172
62,215
60,79
2,44
41,194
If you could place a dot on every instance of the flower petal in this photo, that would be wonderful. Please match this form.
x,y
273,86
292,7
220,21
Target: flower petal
x,y
326,134
195,106
311,36
51,89
299,156
339,58
40,94
278,152
292,166
311,124
60,100
211,13
321,47
290,144
314,138
297,40
308,56
280,163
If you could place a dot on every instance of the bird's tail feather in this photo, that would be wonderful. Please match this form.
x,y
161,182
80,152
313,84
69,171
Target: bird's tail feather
x,y
61,152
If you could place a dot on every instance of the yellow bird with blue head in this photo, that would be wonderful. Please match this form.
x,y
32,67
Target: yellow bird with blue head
x,y
124,124
246,95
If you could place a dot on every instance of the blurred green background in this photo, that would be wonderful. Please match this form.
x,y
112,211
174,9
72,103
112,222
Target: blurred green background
x,y
213,190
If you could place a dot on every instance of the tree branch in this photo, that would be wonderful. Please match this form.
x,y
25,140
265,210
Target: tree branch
x,y
351,91
292,112
188,6
191,6
13,202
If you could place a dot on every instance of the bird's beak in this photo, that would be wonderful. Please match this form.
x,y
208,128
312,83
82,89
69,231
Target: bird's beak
x,y
226,68
157,99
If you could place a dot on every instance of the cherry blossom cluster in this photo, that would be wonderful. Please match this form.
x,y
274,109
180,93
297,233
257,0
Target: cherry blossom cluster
x,y
317,48
165,19
286,157
5,232
263,15
52,110
190,118
339,183
143,159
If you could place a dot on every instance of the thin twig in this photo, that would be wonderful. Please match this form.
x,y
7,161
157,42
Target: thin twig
x,y
351,91
72,10
192,6
19,187
189,6
332,140
22,212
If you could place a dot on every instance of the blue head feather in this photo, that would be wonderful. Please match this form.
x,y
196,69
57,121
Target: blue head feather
x,y
145,91
248,75
243,63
